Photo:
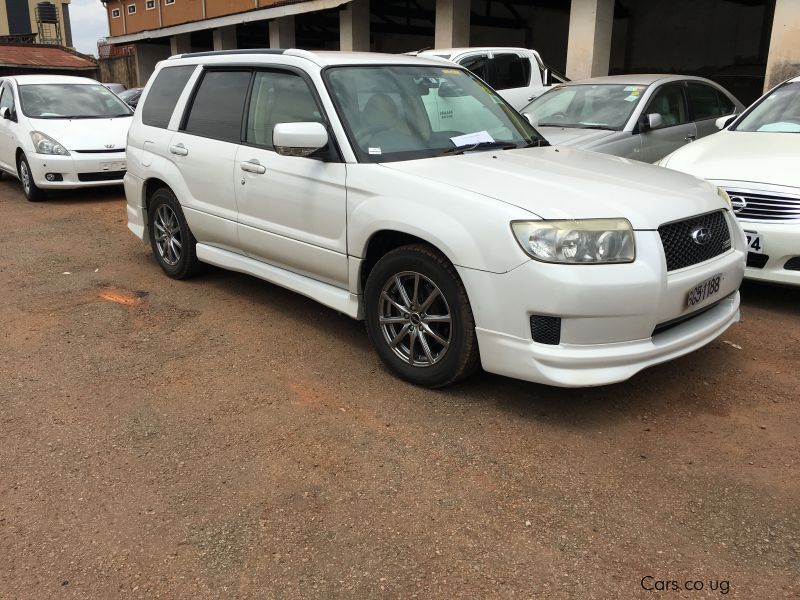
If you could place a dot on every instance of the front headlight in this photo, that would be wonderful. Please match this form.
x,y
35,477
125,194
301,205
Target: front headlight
x,y
724,195
44,144
590,241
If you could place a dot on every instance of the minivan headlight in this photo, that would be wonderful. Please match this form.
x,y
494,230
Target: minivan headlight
x,y
44,144
588,241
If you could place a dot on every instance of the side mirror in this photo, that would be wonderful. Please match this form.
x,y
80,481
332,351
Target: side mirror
x,y
723,122
299,139
651,121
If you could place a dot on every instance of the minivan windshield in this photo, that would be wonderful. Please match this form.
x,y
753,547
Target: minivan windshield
x,y
779,112
71,101
586,106
414,111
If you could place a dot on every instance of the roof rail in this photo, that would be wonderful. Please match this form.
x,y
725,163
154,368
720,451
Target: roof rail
x,y
232,52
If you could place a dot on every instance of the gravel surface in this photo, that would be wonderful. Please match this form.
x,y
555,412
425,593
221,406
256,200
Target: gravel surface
x,y
225,438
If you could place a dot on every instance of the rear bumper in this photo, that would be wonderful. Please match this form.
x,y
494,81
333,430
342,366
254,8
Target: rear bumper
x,y
93,167
137,219
781,243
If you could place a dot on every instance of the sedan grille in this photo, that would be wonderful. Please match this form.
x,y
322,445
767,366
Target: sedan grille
x,y
694,240
764,206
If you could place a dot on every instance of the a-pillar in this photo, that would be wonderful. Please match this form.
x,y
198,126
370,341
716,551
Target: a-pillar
x,y
783,61
281,32
452,23
225,38
589,44
354,27
180,44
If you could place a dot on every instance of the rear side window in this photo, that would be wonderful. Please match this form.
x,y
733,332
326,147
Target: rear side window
x,y
705,101
164,94
726,107
218,105
510,71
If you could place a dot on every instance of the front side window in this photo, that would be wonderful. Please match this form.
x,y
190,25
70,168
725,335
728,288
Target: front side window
x,y
478,65
164,94
586,106
278,97
70,101
669,102
510,71
218,105
779,112
413,111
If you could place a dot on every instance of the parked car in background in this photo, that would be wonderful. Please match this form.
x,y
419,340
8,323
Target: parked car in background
x,y
325,173
756,159
131,96
644,117
59,132
115,87
519,75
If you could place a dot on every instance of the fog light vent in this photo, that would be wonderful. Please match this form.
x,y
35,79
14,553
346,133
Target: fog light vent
x,y
793,264
546,330
756,261
54,177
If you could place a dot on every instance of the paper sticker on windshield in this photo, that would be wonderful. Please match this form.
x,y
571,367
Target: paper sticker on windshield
x,y
633,88
450,71
632,98
479,137
374,150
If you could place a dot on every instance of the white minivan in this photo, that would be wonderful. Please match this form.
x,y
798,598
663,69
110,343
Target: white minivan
x,y
61,132
461,242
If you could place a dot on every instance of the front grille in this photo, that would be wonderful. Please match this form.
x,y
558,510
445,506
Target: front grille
x,y
764,206
680,247
667,325
793,264
546,330
104,151
756,261
102,176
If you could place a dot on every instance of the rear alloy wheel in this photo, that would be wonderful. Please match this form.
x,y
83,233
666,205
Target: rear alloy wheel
x,y
419,319
32,192
172,243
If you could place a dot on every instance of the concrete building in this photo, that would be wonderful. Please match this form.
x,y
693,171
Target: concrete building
x,y
20,19
747,45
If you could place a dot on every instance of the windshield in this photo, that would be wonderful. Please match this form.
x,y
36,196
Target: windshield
x,y
603,106
779,112
130,94
405,112
70,101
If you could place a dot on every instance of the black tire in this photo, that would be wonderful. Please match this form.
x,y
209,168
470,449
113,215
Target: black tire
x,y
32,192
421,267
173,246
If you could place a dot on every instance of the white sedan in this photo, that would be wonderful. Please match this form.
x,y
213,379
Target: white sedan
x,y
60,132
755,159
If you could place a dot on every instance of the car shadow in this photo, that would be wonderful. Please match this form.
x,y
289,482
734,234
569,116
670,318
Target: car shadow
x,y
772,296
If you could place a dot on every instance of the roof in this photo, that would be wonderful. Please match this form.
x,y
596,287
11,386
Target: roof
x,y
324,58
41,79
635,79
473,49
43,56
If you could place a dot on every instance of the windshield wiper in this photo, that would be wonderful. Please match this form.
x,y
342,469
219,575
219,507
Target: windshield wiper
x,y
480,145
537,143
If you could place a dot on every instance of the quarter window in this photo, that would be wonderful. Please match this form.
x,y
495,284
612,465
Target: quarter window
x,y
218,105
7,98
164,94
670,103
115,13
131,9
278,97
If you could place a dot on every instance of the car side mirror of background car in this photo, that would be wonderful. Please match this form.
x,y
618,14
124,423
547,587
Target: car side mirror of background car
x,y
651,121
723,122
299,139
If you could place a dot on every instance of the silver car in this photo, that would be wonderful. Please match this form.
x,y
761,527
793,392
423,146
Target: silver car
x,y
644,117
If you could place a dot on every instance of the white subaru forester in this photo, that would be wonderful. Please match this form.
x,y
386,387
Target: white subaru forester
x,y
407,193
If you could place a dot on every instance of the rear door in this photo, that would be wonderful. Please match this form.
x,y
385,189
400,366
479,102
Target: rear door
x,y
677,128
292,209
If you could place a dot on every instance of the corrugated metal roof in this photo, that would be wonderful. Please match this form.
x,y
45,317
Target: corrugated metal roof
x,y
42,56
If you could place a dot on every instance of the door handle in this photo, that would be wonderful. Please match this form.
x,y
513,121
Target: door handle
x,y
690,137
253,166
179,149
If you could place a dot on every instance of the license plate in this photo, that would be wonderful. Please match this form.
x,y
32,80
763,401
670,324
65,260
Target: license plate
x,y
755,243
704,290
113,166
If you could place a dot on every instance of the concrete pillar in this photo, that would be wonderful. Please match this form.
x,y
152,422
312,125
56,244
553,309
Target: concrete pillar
x,y
181,43
783,61
589,44
354,27
452,23
225,38
147,55
281,32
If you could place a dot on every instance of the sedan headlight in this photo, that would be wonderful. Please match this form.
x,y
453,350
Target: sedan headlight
x,y
724,195
590,241
44,144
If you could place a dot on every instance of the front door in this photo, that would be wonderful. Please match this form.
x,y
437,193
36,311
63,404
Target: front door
x,y
8,130
292,209
676,129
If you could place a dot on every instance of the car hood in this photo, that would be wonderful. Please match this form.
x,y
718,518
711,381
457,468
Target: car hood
x,y
574,136
86,134
565,183
744,156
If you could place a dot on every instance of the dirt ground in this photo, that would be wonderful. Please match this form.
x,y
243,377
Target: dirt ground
x,y
225,438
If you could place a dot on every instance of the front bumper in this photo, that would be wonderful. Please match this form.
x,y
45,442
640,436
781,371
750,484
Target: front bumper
x,y
608,313
780,242
78,170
